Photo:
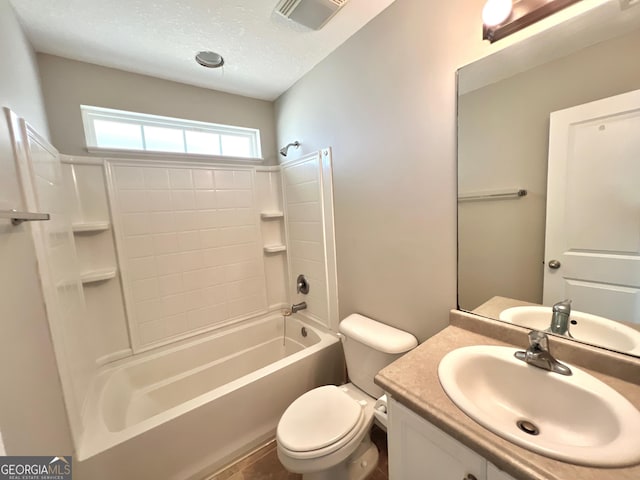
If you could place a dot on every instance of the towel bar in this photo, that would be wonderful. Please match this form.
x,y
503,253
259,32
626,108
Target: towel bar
x,y
18,217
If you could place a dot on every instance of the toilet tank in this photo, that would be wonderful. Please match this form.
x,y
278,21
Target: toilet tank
x,y
369,346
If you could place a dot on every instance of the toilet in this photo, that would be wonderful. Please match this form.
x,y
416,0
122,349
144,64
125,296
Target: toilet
x,y
325,433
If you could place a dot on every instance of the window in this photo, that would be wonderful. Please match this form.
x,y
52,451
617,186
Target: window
x,y
105,128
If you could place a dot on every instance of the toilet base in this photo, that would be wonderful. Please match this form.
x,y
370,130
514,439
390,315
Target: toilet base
x,y
357,467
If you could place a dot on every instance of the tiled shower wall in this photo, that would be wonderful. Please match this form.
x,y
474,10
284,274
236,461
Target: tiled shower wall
x,y
190,249
45,190
308,203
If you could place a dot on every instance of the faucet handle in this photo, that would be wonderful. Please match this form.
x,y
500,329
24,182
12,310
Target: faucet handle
x,y
538,340
539,356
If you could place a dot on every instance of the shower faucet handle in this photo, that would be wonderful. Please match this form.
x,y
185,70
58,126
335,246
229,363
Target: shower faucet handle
x,y
302,285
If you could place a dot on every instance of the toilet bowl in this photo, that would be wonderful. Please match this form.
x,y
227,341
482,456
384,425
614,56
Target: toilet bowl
x,y
325,433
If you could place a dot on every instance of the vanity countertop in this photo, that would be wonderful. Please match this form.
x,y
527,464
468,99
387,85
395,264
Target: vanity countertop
x,y
413,381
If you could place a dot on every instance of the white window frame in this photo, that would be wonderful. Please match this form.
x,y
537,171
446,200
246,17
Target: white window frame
x,y
90,114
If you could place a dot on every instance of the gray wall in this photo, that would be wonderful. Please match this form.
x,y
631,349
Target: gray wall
x,y
32,415
67,84
386,102
502,243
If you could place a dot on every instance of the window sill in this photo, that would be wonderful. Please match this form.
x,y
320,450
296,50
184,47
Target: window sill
x,y
193,157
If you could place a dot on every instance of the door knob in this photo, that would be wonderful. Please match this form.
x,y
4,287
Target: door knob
x,y
554,264
470,476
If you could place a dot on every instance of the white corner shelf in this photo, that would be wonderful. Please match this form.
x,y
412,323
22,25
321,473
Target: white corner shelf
x,y
272,231
271,215
81,227
275,248
93,276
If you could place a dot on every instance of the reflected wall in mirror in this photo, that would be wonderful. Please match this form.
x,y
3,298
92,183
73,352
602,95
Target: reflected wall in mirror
x,y
503,146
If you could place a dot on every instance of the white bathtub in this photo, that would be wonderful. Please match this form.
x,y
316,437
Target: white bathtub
x,y
186,411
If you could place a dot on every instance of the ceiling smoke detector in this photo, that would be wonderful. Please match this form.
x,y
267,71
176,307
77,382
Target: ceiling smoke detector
x,y
310,13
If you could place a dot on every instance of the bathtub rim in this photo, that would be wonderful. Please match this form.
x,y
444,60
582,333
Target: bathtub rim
x,y
97,438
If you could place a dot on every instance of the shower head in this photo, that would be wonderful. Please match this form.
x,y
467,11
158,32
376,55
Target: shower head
x,y
284,150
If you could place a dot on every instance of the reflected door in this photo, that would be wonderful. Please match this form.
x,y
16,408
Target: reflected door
x,y
592,248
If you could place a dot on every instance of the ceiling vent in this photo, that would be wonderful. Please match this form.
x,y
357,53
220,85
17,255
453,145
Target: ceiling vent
x,y
310,13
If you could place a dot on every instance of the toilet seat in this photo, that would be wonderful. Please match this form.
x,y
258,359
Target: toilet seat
x,y
319,422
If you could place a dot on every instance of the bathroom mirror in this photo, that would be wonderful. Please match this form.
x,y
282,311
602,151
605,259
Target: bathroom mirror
x,y
504,106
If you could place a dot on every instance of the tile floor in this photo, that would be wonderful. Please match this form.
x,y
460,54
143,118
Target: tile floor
x,y
263,464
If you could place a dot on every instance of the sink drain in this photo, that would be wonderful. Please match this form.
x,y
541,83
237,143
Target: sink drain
x,y
528,427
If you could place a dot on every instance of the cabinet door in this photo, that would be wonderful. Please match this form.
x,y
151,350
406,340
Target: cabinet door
x,y
420,451
493,473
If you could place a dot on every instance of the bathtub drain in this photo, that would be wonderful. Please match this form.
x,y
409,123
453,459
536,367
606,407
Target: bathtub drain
x,y
527,427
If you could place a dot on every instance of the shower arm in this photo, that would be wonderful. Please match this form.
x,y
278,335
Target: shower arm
x,y
284,150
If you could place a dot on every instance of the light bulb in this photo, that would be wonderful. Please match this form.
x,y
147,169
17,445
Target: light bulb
x,y
496,11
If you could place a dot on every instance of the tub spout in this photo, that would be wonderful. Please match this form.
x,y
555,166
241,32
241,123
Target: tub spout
x,y
296,307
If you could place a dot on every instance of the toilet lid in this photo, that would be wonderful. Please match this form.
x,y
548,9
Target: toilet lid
x,y
318,419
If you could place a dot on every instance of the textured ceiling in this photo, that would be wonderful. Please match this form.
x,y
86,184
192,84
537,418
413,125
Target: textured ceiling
x,y
264,53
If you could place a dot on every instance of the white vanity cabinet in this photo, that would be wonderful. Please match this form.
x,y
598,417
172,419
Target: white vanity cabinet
x,y
420,451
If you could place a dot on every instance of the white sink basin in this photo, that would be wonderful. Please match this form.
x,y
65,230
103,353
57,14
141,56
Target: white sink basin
x,y
580,419
587,328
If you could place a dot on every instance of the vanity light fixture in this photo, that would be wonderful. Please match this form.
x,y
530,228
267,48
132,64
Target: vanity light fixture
x,y
504,17
496,11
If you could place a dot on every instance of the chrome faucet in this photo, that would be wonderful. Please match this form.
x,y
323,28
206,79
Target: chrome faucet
x,y
296,307
560,318
539,356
